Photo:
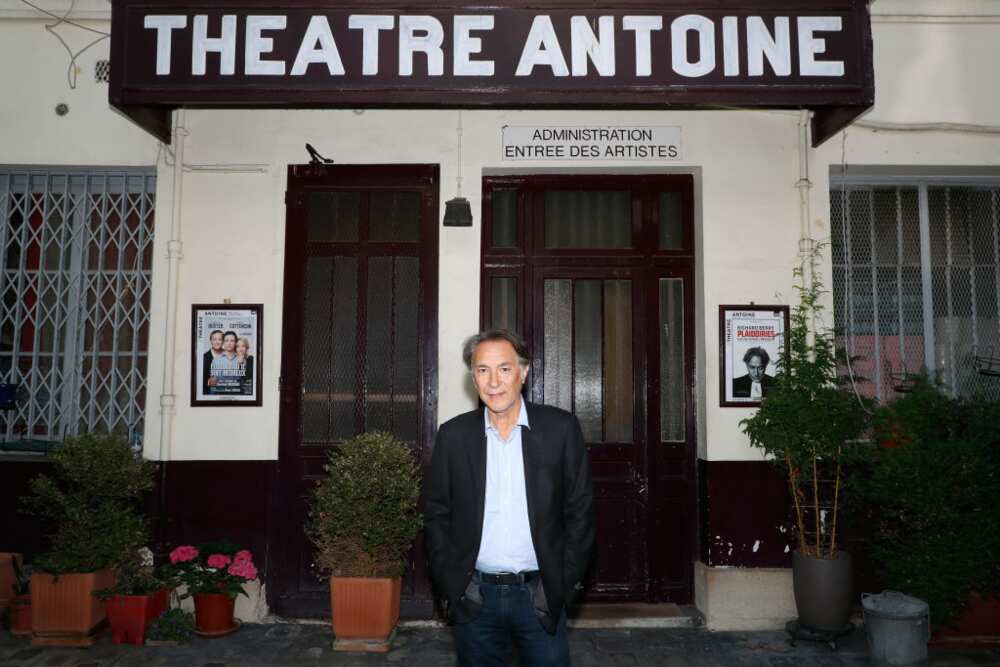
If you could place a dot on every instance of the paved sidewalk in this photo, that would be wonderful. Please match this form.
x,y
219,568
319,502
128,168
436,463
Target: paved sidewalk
x,y
310,644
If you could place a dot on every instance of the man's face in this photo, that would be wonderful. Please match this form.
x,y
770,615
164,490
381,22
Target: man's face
x,y
229,343
498,375
216,341
755,368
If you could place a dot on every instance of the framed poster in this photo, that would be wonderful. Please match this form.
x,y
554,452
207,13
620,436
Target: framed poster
x,y
749,342
226,347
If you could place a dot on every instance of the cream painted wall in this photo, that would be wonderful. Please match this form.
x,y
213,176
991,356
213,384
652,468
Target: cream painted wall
x,y
233,232
33,69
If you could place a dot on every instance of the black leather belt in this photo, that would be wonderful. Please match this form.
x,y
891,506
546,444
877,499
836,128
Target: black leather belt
x,y
506,578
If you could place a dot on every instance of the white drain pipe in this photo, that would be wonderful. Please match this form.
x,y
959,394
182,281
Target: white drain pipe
x,y
167,396
804,185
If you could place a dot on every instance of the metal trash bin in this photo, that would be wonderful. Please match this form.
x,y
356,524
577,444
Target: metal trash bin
x,y
897,627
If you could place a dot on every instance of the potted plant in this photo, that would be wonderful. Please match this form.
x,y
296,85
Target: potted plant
x,y
809,425
363,518
936,527
19,609
173,627
214,574
138,596
93,499
8,562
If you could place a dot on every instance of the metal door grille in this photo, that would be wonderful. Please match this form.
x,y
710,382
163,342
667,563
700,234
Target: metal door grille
x,y
916,283
76,251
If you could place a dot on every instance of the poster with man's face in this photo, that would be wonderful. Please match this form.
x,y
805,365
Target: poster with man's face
x,y
226,351
751,341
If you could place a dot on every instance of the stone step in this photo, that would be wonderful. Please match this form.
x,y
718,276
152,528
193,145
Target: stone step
x,y
635,615
624,615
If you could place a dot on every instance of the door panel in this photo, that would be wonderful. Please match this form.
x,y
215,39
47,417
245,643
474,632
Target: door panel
x,y
359,346
589,369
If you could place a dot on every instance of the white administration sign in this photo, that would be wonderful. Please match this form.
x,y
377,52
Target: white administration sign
x,y
644,144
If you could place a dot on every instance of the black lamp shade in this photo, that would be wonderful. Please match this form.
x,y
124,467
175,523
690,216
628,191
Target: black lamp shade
x,y
457,213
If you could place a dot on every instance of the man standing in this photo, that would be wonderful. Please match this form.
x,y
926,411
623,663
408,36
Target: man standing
x,y
508,514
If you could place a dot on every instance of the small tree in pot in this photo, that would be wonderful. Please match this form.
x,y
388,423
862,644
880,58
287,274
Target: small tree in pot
x,y
93,499
809,424
363,518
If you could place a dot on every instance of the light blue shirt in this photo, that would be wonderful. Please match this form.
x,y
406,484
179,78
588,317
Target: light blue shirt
x,y
506,541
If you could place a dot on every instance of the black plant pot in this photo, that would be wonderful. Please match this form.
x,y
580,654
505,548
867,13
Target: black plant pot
x,y
823,590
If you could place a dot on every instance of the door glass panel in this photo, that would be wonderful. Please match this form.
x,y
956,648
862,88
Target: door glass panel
x,y
671,332
391,346
671,223
394,216
328,355
588,371
503,307
558,373
405,350
588,219
504,218
618,389
333,216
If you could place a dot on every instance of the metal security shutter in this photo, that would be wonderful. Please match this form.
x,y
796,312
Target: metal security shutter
x,y
76,248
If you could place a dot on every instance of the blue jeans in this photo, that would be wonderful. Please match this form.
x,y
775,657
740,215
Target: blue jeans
x,y
507,619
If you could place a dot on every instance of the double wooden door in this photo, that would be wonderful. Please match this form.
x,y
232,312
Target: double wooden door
x,y
597,273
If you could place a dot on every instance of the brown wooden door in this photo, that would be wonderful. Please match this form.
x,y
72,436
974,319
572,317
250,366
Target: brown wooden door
x,y
597,273
359,346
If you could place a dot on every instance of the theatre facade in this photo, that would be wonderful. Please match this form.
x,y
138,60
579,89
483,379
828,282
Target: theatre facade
x,y
354,188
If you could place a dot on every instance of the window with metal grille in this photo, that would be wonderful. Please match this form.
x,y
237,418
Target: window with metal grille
x,y
916,281
76,248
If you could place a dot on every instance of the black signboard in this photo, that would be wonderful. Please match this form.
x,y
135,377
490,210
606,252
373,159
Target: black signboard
x,y
521,54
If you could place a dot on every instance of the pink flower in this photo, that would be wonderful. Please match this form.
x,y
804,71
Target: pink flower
x,y
243,568
243,555
183,554
218,561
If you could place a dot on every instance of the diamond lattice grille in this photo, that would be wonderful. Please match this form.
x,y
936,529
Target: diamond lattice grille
x,y
76,251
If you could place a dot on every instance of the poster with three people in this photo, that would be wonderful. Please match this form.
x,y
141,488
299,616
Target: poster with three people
x,y
226,354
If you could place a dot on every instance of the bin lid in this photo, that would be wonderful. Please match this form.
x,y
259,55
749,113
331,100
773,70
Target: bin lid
x,y
893,604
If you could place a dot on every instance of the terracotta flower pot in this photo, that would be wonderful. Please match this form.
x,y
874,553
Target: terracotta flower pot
x,y
213,613
130,615
978,625
20,615
63,607
7,578
364,608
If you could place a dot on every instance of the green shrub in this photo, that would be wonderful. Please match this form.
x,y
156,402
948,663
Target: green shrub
x,y
934,500
363,516
93,499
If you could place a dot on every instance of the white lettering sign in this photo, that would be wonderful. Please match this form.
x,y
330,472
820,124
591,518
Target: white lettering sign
x,y
647,144
686,46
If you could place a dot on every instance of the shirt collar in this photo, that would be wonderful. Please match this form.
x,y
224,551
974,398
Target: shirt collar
x,y
522,417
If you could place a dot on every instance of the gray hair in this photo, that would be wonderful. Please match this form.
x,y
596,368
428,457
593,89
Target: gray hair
x,y
491,335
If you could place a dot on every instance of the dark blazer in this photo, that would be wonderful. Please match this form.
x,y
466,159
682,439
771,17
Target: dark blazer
x,y
206,370
742,384
560,507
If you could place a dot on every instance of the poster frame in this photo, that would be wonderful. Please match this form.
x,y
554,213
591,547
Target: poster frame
x,y
726,313
197,399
